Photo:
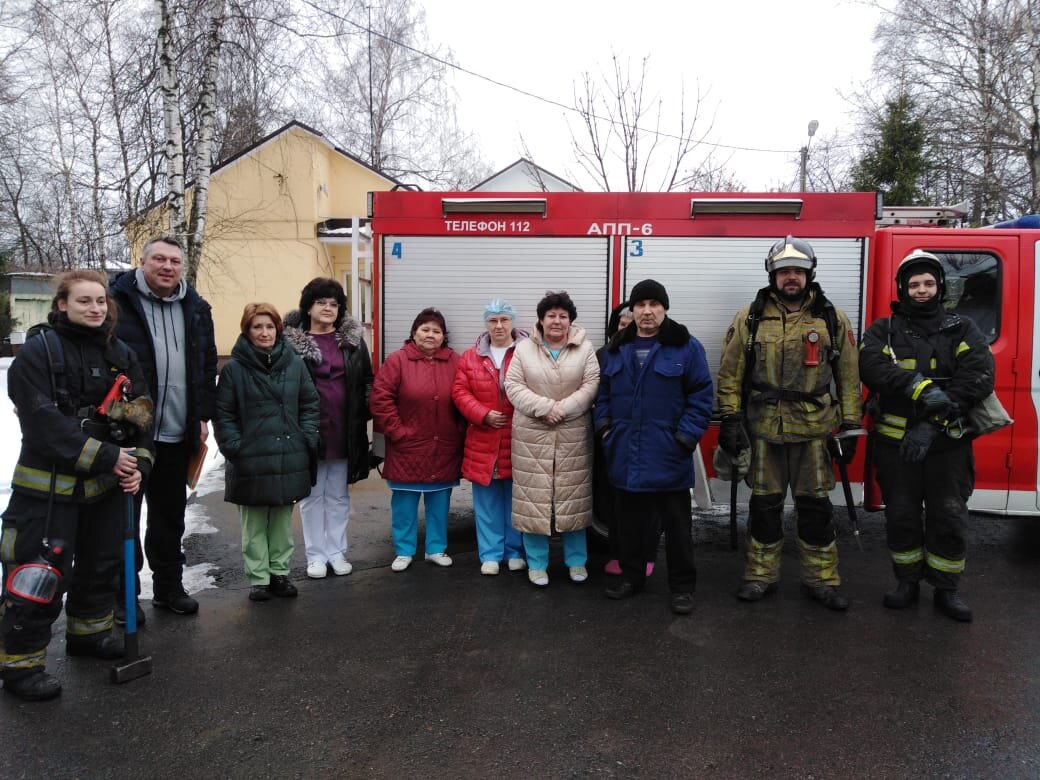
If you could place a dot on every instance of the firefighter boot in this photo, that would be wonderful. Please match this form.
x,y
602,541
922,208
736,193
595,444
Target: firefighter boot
x,y
903,596
107,646
952,605
35,686
827,595
755,590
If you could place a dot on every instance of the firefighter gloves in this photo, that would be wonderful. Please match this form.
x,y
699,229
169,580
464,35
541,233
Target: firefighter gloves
x,y
842,450
917,441
935,401
732,438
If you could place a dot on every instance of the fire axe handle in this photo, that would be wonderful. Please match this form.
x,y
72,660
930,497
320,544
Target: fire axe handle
x,y
850,503
133,664
734,476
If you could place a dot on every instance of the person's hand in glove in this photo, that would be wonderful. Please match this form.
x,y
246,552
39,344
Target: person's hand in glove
x,y
933,400
843,450
732,438
917,441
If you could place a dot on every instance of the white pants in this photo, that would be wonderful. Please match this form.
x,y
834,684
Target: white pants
x,y
325,512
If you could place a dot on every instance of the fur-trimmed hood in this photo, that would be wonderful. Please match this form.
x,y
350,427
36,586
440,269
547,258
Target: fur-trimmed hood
x,y
348,336
671,334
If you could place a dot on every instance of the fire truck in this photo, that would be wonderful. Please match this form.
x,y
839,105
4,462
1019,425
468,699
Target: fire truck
x,y
455,251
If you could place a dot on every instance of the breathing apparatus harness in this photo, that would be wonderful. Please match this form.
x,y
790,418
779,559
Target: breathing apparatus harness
x,y
821,308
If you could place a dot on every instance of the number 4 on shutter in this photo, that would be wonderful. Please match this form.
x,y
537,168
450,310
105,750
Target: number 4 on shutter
x,y
395,251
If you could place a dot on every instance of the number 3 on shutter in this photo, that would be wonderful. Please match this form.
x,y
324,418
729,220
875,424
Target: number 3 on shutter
x,y
635,247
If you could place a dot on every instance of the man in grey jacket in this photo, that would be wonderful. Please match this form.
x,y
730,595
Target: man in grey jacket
x,y
170,327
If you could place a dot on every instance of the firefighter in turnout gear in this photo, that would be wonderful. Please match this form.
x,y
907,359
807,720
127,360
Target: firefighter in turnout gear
x,y
67,509
926,367
788,380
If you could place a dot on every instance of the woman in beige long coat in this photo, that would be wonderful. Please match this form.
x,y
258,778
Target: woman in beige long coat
x,y
552,383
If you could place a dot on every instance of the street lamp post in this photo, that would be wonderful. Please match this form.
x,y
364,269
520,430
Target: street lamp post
x,y
813,125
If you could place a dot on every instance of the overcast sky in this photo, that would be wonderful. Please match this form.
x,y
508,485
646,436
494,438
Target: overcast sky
x,y
766,66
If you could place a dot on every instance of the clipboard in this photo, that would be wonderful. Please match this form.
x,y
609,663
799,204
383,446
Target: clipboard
x,y
195,465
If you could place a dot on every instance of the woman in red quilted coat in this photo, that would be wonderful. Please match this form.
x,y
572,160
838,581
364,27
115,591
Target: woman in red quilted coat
x,y
479,393
411,406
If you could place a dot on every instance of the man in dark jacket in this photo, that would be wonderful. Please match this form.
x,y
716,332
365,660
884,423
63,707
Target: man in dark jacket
x,y
653,406
170,327
928,367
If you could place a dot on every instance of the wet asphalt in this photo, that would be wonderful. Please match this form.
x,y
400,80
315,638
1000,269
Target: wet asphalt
x,y
444,673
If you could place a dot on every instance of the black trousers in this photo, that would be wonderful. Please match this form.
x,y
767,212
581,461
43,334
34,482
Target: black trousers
x,y
642,517
91,535
926,544
167,497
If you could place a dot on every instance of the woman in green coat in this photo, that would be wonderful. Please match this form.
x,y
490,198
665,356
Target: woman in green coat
x,y
267,428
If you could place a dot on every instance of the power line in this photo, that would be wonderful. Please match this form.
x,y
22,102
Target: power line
x,y
549,101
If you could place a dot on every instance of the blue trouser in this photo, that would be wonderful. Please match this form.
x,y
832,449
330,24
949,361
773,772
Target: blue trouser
x,y
404,520
575,551
497,540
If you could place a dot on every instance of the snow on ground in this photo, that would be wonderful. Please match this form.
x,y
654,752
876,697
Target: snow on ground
x,y
196,519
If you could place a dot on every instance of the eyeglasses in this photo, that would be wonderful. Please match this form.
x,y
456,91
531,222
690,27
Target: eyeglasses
x,y
324,303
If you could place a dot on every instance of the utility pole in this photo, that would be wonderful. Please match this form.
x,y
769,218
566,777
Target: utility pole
x,y
813,125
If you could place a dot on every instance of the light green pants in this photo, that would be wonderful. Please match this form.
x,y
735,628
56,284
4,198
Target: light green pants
x,y
267,543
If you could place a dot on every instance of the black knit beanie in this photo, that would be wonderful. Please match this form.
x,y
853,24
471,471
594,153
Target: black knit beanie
x,y
649,290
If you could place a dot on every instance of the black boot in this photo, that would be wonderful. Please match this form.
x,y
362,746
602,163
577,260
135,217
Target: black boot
x,y
280,586
755,590
827,595
108,646
903,596
620,590
36,686
120,613
952,605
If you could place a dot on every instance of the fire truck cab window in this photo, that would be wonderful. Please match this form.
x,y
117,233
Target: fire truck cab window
x,y
973,289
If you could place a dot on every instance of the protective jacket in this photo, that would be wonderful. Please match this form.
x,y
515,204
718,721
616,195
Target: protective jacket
x,y
201,364
552,464
792,385
82,454
479,388
411,405
655,413
897,353
266,425
357,362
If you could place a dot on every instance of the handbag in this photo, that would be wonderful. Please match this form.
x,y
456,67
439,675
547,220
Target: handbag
x,y
987,416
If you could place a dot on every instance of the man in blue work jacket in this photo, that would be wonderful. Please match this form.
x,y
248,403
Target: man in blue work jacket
x,y
653,406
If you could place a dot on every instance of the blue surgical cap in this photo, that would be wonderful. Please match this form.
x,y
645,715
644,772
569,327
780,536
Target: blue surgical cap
x,y
499,306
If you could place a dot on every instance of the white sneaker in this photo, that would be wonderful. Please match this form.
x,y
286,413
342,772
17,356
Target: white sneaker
x,y
316,570
517,564
579,573
341,567
441,559
489,568
401,562
538,577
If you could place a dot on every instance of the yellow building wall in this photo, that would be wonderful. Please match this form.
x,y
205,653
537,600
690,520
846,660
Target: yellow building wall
x,y
261,233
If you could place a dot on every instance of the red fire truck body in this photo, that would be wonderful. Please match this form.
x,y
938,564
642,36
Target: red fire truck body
x,y
456,251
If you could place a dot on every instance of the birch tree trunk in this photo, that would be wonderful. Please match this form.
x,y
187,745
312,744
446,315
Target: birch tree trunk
x,y
204,149
189,225
173,148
